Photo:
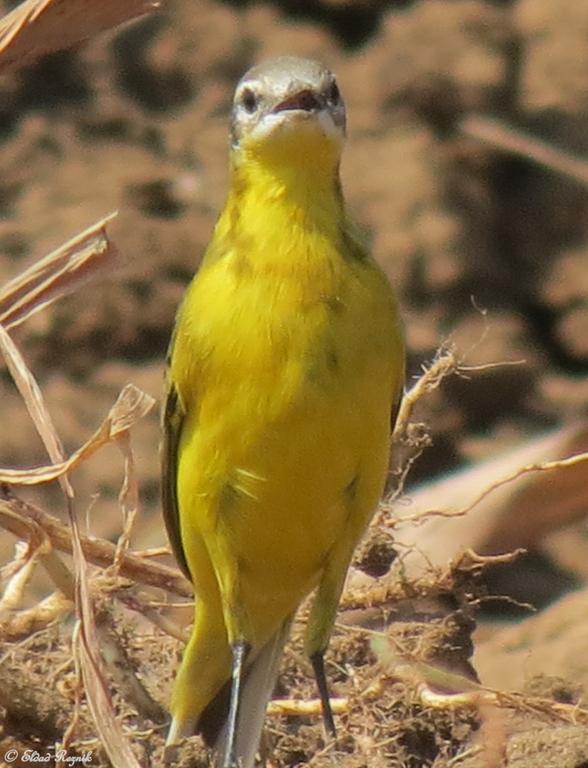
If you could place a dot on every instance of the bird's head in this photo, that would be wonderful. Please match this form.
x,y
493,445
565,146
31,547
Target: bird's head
x,y
288,111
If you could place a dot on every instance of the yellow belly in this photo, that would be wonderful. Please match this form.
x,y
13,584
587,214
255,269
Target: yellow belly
x,y
284,500
287,429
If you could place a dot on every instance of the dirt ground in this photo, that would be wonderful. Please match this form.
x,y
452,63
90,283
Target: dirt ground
x,y
484,247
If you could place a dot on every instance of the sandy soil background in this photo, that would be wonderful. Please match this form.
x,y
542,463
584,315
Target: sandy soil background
x,y
483,246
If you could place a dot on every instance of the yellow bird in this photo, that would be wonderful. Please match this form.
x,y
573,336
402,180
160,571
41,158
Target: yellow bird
x,y
285,369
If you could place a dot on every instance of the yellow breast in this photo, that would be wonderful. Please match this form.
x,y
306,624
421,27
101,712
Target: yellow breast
x,y
288,357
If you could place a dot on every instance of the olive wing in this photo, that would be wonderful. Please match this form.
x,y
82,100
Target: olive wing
x,y
172,422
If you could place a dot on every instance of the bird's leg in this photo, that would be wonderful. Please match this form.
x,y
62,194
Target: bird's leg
x,y
318,664
237,622
320,625
324,611
240,650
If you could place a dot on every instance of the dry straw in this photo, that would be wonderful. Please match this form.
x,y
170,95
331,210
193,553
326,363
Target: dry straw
x,y
37,27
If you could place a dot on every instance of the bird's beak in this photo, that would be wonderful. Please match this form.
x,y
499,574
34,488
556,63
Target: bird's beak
x,y
301,112
305,100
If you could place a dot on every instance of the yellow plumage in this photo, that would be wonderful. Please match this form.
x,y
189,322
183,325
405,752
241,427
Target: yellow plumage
x,y
286,363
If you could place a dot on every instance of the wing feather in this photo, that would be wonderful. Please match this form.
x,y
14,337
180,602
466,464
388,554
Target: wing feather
x,y
173,419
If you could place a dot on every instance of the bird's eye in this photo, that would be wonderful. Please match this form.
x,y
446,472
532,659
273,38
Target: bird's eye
x,y
334,93
249,100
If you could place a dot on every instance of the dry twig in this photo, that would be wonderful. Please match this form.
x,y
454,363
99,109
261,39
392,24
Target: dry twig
x,y
57,274
131,405
509,139
22,519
